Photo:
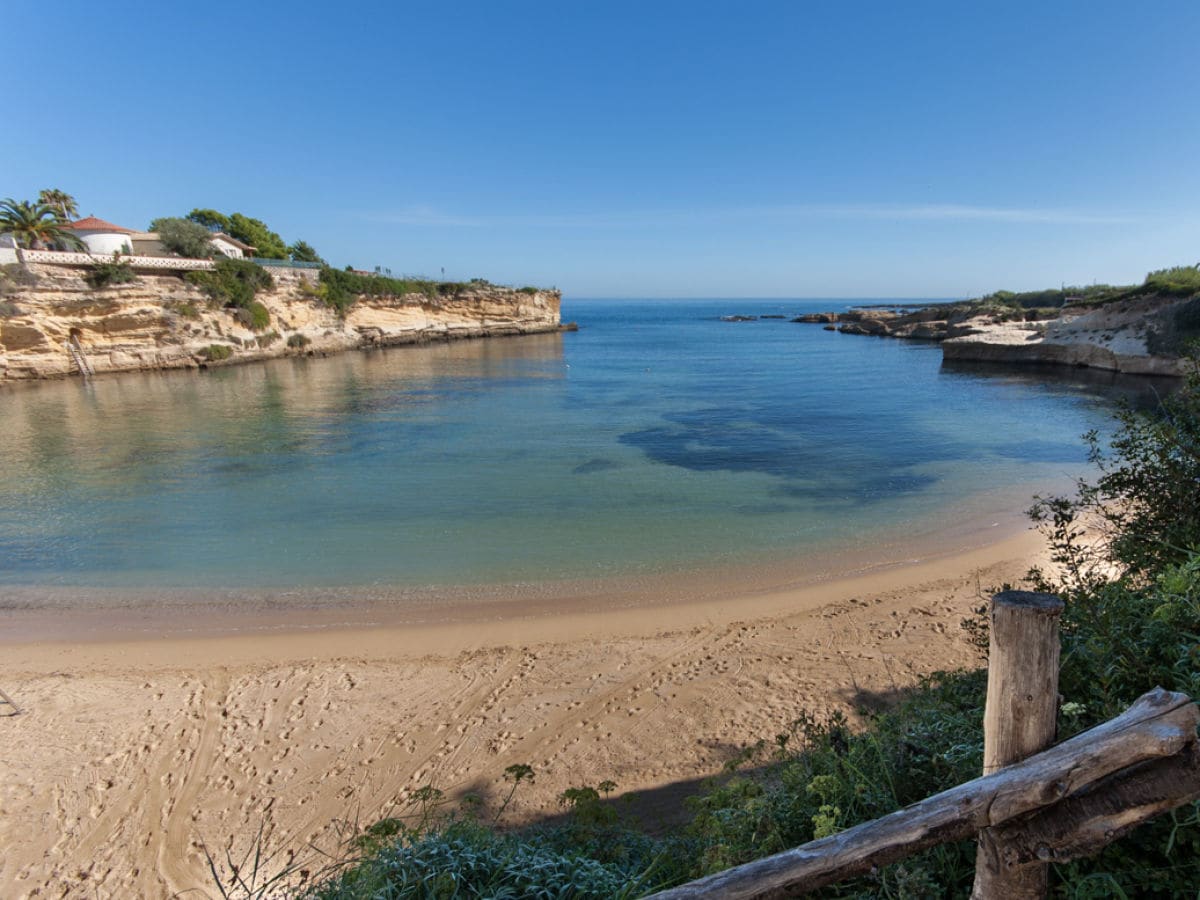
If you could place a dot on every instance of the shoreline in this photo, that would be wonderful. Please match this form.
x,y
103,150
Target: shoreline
x,y
98,615
329,634
130,755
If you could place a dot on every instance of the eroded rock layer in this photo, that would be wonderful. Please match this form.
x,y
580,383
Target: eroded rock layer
x,y
1139,336
163,322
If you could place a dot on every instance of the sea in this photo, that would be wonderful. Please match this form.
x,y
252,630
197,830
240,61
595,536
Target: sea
x,y
659,438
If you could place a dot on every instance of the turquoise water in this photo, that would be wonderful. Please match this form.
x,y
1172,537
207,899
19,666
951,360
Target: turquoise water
x,y
656,438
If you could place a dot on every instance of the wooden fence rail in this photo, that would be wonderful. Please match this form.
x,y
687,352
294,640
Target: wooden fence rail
x,y
1063,803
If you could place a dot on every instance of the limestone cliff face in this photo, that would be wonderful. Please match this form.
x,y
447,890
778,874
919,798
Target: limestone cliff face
x,y
162,322
1116,337
1120,336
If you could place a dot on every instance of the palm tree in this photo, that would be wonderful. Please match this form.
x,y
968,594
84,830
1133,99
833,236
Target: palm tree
x,y
60,201
34,224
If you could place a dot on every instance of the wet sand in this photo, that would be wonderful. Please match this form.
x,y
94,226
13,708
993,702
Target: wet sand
x,y
140,742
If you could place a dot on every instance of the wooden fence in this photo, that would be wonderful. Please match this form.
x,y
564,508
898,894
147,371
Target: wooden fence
x,y
1033,805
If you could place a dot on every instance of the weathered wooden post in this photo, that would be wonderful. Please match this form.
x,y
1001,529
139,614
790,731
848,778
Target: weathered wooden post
x,y
1019,719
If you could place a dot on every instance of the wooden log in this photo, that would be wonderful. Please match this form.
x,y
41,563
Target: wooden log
x,y
1159,724
1084,824
1019,719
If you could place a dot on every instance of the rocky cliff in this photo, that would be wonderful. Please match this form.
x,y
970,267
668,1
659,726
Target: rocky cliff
x,y
160,321
1142,335
1132,337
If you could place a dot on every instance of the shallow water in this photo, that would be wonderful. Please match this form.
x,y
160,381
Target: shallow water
x,y
656,438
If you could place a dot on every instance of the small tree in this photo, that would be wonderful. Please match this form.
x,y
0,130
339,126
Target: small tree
x,y
1142,514
302,251
266,243
183,237
61,202
209,218
34,225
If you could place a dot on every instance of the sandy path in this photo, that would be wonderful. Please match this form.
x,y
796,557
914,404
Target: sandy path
x,y
128,757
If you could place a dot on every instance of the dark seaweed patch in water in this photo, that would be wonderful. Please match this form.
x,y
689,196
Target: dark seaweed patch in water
x,y
595,465
773,442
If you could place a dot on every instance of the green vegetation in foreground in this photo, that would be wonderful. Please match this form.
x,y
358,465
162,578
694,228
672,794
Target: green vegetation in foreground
x,y
1132,622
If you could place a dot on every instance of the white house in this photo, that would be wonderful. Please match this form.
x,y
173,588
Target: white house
x,y
231,246
146,243
103,238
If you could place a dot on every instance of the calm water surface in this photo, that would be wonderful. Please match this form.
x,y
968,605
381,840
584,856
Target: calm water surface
x,y
657,437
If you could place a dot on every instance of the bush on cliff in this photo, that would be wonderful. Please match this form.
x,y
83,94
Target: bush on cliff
x,y
1178,281
234,283
109,273
254,316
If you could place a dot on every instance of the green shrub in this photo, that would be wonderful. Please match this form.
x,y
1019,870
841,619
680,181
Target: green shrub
x,y
1179,281
8,309
233,282
298,341
527,290
217,352
468,860
255,316
342,288
1146,499
266,340
1055,298
188,310
109,273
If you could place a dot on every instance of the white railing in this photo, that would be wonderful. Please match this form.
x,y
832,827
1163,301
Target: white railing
x,y
171,263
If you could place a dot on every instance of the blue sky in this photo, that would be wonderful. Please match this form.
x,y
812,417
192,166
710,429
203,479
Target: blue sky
x,y
629,149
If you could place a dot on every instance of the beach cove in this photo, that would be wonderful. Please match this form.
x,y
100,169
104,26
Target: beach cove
x,y
623,554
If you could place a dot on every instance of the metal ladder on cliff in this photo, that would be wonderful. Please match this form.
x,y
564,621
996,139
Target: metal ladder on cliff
x,y
81,363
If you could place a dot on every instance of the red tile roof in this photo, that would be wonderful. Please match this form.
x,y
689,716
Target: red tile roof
x,y
91,223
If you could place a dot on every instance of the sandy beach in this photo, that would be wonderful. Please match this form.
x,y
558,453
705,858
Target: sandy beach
x,y
130,756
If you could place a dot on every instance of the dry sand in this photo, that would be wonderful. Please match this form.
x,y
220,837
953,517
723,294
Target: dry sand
x,y
129,755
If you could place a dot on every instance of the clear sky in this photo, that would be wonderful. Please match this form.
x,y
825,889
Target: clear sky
x,y
626,149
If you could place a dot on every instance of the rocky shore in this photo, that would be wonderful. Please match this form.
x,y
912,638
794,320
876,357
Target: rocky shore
x,y
1135,336
160,321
